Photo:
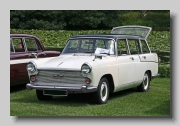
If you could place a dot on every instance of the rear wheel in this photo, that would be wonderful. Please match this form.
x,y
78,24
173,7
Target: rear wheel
x,y
40,96
102,94
144,86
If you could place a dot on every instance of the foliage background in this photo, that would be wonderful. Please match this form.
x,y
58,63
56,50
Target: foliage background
x,y
87,19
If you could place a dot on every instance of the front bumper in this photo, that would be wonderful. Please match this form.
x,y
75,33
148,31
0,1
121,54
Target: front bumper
x,y
70,89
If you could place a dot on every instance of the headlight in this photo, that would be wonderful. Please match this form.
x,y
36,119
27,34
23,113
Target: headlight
x,y
86,68
31,67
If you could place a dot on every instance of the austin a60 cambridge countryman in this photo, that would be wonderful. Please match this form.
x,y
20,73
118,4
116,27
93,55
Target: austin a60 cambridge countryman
x,y
98,64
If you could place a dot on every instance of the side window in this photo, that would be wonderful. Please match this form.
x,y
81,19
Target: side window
x,y
11,46
31,44
134,46
18,45
100,44
122,47
145,48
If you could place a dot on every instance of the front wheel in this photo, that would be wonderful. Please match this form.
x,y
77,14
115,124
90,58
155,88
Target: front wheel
x,y
102,94
144,86
40,96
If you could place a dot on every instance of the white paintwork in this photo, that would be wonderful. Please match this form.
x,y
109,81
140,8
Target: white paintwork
x,y
66,62
126,66
20,61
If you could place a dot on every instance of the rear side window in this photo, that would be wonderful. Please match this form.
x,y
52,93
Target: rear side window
x,y
134,46
17,45
31,44
145,48
122,47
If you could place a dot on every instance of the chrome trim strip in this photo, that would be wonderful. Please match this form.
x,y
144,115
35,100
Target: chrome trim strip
x,y
155,75
82,89
150,61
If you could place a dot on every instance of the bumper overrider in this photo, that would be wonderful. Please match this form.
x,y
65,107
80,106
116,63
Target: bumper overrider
x,y
70,89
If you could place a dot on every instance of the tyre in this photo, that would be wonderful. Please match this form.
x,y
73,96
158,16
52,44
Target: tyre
x,y
102,94
144,86
40,96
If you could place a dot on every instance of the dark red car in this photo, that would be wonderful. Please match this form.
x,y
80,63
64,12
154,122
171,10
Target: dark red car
x,y
24,47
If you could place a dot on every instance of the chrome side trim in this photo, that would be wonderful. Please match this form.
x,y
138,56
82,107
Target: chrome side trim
x,y
80,89
155,75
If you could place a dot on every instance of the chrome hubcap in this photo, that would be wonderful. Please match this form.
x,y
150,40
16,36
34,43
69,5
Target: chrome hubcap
x,y
103,91
145,81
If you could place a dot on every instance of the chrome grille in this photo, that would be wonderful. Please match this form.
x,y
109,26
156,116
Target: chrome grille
x,y
56,77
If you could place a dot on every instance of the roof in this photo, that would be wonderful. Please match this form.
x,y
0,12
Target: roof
x,y
111,36
22,35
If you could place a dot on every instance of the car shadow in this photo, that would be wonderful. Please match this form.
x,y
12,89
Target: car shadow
x,y
74,100
71,99
17,88
122,93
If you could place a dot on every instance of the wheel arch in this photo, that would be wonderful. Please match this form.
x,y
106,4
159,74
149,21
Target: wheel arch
x,y
109,77
150,74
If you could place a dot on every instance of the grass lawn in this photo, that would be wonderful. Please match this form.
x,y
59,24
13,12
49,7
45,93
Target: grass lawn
x,y
155,102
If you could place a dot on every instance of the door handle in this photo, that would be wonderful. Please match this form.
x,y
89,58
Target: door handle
x,y
34,54
144,57
131,58
44,54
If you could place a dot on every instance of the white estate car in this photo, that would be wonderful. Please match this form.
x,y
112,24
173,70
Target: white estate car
x,y
98,63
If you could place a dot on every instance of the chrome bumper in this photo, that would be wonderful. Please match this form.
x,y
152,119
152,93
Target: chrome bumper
x,y
75,89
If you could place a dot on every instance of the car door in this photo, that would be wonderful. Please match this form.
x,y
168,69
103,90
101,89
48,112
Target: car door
x,y
149,59
135,52
126,66
18,60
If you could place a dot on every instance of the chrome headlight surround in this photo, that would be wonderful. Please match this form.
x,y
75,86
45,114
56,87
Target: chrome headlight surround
x,y
31,67
86,68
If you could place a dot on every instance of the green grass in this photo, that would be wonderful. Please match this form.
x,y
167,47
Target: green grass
x,y
155,102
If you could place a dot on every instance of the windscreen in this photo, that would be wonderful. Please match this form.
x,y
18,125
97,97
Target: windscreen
x,y
87,45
